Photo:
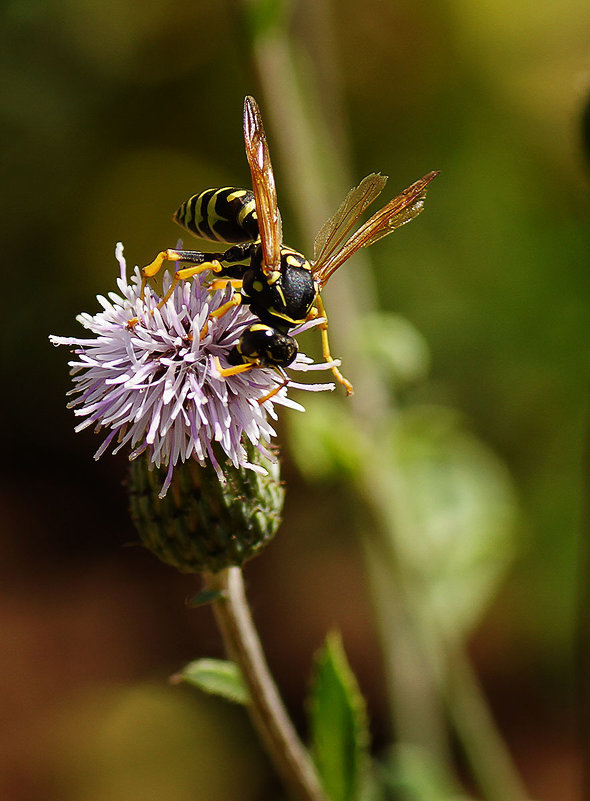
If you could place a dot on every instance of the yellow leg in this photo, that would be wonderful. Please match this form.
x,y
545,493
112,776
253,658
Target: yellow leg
x,y
326,348
221,283
243,368
188,272
273,392
235,300
154,267
238,368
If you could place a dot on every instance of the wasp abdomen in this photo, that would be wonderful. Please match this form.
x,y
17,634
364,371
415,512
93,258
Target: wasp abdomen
x,y
220,215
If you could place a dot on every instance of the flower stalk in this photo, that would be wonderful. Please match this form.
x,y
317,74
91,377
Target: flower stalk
x,y
205,491
268,714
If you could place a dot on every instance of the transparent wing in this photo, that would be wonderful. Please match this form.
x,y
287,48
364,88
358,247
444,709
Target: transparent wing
x,y
335,230
398,211
263,186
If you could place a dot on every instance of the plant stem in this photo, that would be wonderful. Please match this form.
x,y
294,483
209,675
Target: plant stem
x,y
582,642
484,747
446,663
266,708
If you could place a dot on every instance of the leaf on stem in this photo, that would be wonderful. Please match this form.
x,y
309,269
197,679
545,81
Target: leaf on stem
x,y
338,722
205,597
216,677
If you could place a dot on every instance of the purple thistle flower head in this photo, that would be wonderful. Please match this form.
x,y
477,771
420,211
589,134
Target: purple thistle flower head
x,y
154,384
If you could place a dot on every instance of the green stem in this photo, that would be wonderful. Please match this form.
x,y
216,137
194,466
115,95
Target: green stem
x,y
484,747
445,661
582,642
266,708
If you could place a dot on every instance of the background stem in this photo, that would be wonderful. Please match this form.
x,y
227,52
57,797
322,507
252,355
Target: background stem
x,y
266,708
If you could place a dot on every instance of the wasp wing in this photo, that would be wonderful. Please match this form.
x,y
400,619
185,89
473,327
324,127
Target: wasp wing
x,y
335,230
263,186
398,211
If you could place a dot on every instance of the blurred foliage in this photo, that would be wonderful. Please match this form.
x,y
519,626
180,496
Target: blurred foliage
x,y
459,510
113,113
117,744
410,772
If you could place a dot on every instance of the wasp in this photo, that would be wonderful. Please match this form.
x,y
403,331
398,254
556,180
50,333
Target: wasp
x,y
280,286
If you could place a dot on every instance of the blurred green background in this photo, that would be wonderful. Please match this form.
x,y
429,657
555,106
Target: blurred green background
x,y
112,114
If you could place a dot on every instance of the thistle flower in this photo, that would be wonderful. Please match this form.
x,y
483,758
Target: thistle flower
x,y
154,384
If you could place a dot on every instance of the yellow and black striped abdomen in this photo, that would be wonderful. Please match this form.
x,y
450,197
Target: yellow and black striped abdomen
x,y
220,215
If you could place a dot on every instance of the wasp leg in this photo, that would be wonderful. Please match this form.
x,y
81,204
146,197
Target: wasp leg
x,y
155,266
277,389
326,349
242,368
221,283
238,368
235,300
202,262
188,272
191,256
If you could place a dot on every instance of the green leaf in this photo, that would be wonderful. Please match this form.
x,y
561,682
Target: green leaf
x,y
216,677
205,597
456,515
326,443
400,351
338,722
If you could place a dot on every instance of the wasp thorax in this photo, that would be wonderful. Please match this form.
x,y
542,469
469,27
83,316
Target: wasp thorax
x,y
298,290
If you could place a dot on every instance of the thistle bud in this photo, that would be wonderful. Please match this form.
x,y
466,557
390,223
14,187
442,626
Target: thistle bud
x,y
204,523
